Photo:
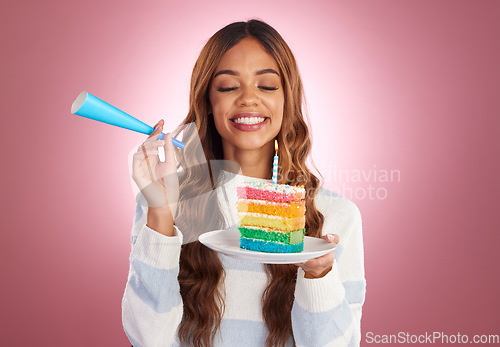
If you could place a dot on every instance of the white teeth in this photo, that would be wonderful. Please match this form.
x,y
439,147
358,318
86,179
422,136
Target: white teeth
x,y
249,120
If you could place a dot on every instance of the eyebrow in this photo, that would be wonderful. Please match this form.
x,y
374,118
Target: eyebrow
x,y
234,73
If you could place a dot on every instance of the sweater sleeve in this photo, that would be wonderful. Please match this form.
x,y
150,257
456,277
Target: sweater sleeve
x,y
327,311
152,304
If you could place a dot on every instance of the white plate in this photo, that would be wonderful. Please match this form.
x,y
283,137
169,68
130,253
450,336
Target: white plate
x,y
227,242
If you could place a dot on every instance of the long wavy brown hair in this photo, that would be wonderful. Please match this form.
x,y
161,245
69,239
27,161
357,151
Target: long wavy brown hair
x,y
201,275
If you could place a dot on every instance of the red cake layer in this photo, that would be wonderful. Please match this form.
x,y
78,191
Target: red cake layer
x,y
270,192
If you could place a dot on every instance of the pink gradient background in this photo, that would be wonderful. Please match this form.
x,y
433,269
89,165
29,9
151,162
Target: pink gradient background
x,y
399,85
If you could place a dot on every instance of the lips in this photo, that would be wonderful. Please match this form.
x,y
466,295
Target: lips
x,y
249,121
247,116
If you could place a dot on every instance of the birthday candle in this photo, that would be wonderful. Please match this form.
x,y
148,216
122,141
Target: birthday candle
x,y
275,163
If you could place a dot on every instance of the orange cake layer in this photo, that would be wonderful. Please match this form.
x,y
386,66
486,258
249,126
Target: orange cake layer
x,y
290,210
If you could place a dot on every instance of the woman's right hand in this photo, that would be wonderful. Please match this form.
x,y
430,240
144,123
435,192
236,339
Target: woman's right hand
x,y
157,180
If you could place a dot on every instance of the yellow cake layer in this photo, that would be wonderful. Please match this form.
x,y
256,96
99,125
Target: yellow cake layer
x,y
273,222
281,209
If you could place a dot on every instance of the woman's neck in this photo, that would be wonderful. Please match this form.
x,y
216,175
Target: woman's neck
x,y
254,163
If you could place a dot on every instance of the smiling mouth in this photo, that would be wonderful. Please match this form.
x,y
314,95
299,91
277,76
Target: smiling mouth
x,y
249,121
248,118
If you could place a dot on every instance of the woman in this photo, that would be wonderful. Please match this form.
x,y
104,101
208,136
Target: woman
x,y
245,93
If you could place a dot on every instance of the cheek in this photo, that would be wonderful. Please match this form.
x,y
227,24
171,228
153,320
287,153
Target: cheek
x,y
213,100
281,111
278,107
280,102
219,111
219,105
275,103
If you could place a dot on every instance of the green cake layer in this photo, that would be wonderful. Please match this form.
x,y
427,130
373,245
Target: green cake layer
x,y
270,247
289,238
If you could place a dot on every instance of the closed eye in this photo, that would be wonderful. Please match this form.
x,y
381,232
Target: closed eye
x,y
226,89
269,88
234,88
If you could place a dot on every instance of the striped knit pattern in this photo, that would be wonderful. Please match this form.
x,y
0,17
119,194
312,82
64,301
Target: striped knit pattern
x,y
326,311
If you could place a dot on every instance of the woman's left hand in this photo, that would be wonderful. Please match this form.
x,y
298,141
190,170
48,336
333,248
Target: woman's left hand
x,y
320,266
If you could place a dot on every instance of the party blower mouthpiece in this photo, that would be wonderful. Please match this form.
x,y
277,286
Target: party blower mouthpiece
x,y
89,106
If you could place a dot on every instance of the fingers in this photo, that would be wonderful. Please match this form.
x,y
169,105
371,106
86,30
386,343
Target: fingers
x,y
169,150
332,238
149,149
322,261
314,263
151,144
318,267
160,122
318,264
158,129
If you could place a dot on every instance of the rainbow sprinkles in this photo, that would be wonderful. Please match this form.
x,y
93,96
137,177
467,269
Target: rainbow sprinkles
x,y
271,217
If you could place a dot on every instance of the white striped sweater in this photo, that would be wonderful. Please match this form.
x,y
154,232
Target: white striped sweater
x,y
326,311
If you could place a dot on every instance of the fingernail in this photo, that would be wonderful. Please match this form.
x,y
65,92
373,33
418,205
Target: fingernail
x,y
331,238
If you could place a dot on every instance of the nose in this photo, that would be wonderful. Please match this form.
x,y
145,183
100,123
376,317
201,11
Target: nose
x,y
248,96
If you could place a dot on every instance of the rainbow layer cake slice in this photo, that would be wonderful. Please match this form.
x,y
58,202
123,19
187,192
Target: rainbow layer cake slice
x,y
271,217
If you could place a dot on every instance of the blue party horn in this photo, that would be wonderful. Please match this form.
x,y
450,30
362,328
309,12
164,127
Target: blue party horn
x,y
89,106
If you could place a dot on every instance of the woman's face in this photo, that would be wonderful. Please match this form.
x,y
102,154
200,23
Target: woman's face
x,y
247,97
